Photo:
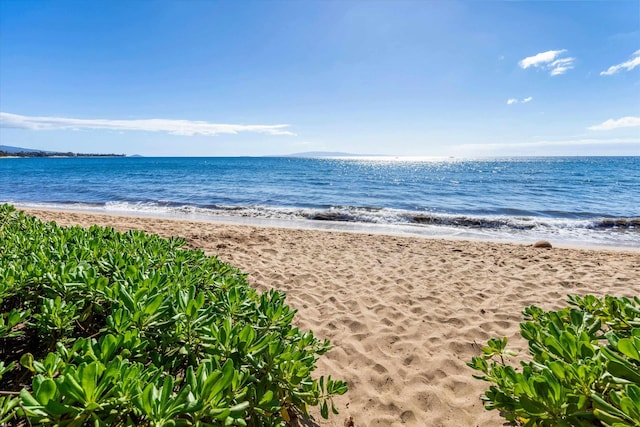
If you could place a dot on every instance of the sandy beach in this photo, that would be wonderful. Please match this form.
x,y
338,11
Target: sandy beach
x,y
404,314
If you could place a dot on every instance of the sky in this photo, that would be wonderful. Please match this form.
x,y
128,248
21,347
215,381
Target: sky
x,y
252,78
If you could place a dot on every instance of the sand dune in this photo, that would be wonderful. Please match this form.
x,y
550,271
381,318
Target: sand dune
x,y
404,314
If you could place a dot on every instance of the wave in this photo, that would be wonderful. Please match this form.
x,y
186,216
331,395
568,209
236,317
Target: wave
x,y
365,215
618,223
594,232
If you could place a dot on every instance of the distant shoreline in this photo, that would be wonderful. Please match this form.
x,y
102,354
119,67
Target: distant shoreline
x,y
39,154
20,152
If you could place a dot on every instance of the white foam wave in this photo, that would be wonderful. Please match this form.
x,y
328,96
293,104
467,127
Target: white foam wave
x,y
583,232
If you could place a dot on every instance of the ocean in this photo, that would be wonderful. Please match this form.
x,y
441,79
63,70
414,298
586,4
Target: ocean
x,y
589,201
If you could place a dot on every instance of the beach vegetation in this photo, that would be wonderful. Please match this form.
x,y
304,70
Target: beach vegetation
x,y
584,368
104,328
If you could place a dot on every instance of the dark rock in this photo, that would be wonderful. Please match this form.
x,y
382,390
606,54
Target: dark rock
x,y
542,244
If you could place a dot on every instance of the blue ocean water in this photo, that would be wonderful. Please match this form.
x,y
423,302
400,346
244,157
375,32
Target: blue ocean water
x,y
584,200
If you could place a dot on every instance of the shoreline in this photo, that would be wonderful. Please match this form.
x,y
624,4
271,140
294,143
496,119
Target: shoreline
x,y
399,230
403,313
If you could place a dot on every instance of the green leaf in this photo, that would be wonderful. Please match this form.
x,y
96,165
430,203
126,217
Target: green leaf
x,y
239,410
26,360
108,346
28,399
45,390
324,410
629,347
227,376
334,409
58,409
127,299
88,374
266,398
624,370
167,388
531,406
606,412
558,369
152,307
148,399
69,386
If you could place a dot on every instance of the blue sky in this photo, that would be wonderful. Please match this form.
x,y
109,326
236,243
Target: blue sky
x,y
414,78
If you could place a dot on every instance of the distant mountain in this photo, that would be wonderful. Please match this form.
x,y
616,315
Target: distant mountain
x,y
12,150
327,154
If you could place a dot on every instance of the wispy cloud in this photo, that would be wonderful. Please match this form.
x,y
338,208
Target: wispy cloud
x,y
550,61
627,65
624,122
174,127
512,101
561,66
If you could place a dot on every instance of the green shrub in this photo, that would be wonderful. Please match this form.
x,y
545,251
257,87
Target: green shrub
x,y
105,328
585,367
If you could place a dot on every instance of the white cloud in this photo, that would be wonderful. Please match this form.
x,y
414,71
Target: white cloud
x,y
624,122
549,60
627,65
561,66
512,101
174,127
540,58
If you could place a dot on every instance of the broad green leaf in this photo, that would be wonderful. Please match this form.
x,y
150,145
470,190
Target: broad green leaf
x,y
148,399
154,305
558,369
69,386
28,399
127,299
239,410
629,347
45,390
624,370
167,389
225,381
88,374
56,408
26,360
108,346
